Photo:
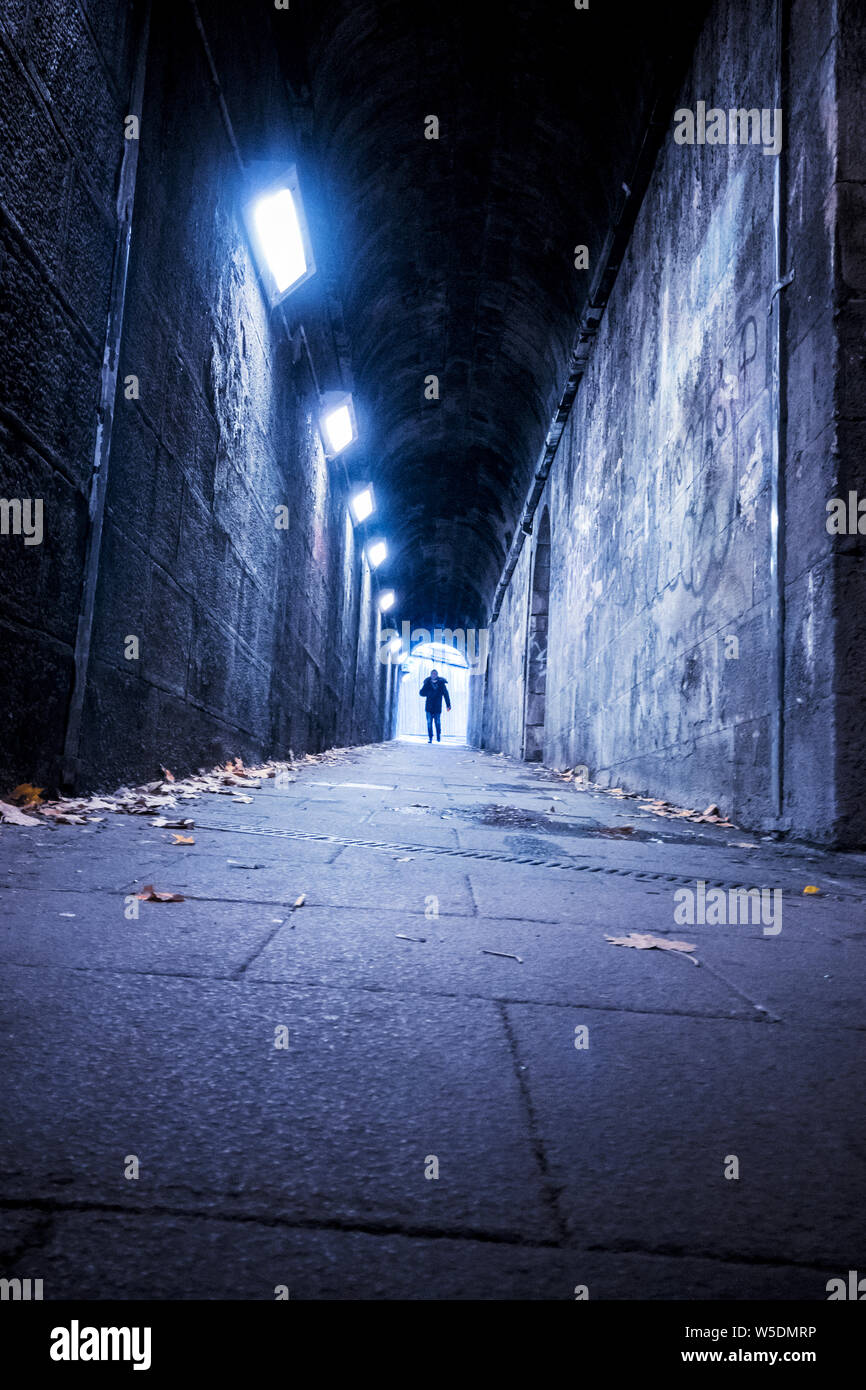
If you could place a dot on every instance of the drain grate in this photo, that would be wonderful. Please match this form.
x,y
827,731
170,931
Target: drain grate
x,y
501,857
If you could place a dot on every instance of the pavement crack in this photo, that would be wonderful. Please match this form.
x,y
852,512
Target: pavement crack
x,y
551,1191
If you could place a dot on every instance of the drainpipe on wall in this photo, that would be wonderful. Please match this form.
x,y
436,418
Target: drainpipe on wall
x,y
105,415
778,415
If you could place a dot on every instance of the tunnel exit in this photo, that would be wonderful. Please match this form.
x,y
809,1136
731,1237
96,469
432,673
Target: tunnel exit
x,y
454,668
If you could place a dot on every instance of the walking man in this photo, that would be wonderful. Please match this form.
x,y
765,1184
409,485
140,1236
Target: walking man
x,y
435,690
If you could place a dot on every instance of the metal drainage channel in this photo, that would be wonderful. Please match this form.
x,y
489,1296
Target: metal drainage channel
x,y
642,875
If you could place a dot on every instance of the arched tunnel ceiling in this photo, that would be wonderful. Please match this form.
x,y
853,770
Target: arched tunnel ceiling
x,y
455,256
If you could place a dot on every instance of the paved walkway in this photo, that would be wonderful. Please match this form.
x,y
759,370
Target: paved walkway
x,y
417,1042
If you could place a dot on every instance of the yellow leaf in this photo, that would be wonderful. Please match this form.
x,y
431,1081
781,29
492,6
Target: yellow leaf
x,y
183,840
811,888
27,795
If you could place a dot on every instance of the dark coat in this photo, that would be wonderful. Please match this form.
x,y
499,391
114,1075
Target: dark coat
x,y
434,695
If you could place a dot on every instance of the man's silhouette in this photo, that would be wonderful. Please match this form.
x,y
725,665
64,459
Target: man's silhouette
x,y
435,690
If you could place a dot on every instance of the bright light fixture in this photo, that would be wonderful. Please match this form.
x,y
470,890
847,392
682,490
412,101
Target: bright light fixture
x,y
362,505
280,236
338,425
387,600
278,230
376,553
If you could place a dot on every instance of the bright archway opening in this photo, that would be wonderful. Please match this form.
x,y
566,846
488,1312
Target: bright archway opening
x,y
454,668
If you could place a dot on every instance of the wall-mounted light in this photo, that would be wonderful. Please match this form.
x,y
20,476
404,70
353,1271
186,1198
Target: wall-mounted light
x,y
337,423
278,231
387,600
362,505
376,553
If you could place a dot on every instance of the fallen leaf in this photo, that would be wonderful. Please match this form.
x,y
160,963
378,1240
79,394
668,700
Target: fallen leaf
x,y
644,941
712,810
162,824
13,816
506,955
149,894
183,840
811,888
169,776
299,902
27,795
402,937
63,816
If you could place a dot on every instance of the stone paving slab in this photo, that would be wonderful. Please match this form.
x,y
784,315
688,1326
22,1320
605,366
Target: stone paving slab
x,y
820,983
563,965
638,1127
100,1255
185,1075
155,1037
213,939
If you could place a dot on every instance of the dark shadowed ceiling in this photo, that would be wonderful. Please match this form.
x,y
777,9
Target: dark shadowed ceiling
x,y
455,256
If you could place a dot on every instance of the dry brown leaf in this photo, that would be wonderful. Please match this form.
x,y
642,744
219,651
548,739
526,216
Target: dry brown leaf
x,y
169,776
644,941
149,894
13,816
183,840
299,902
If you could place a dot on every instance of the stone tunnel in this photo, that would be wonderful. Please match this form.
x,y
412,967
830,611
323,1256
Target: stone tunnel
x,y
523,341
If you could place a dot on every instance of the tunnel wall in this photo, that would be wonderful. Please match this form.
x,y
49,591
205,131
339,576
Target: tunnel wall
x,y
252,639
660,493
64,76
849,444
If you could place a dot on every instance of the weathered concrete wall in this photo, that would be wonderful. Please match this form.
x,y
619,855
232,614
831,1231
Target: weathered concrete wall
x,y
64,75
497,719
252,640
848,208
661,492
